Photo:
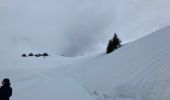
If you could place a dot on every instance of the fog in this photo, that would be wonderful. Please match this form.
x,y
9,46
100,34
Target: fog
x,y
76,27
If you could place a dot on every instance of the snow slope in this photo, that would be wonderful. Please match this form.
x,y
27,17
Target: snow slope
x,y
137,71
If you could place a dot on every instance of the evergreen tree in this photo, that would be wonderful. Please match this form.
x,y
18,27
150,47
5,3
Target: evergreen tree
x,y
113,44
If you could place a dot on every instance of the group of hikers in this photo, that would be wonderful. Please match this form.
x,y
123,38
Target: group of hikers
x,y
5,90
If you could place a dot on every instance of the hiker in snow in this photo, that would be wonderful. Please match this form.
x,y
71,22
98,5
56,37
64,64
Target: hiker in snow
x,y
5,90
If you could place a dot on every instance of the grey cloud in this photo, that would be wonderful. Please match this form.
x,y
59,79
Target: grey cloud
x,y
77,27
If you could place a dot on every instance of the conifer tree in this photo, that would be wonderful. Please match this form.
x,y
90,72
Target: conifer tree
x,y
113,44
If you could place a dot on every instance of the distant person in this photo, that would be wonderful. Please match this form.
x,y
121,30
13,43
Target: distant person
x,y
5,90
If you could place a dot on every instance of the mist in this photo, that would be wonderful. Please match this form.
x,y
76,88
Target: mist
x,y
76,27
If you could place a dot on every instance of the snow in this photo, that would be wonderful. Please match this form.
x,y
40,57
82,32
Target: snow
x,y
137,71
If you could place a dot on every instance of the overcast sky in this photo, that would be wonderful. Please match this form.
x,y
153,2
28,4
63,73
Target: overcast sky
x,y
77,27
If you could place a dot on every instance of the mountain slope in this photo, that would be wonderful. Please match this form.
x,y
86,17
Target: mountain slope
x,y
137,71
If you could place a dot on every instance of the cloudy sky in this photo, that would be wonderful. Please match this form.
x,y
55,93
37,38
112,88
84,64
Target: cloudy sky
x,y
77,27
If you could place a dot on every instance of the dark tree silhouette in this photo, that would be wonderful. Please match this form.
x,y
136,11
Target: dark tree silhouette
x,y
113,44
24,55
45,54
31,54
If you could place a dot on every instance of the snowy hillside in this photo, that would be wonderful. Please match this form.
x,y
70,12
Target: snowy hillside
x,y
139,70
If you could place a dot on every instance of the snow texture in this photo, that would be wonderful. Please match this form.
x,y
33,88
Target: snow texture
x,y
137,71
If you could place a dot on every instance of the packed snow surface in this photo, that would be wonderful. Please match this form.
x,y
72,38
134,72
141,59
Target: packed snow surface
x,y
138,70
